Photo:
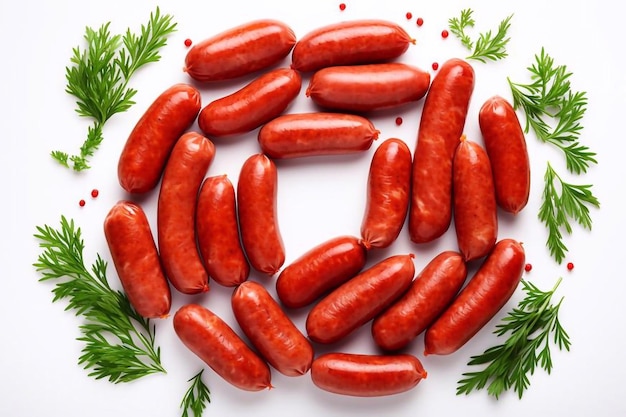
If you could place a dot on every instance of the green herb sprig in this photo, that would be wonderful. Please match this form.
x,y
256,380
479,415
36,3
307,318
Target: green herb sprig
x,y
488,46
99,75
531,327
196,397
119,343
554,113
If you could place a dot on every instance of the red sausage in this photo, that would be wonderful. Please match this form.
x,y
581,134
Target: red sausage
x,y
269,329
218,232
366,375
506,146
257,210
359,300
176,212
149,144
484,295
429,295
313,134
217,344
256,103
240,51
136,259
441,126
388,189
475,209
320,270
349,43
363,88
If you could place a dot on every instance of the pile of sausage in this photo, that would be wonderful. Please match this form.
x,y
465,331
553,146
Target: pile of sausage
x,y
209,229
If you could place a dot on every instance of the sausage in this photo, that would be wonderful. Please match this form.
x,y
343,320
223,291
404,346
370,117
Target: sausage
x,y
136,259
506,146
364,88
149,144
217,232
363,375
258,102
216,343
475,209
360,299
176,212
348,43
427,297
240,50
257,212
388,190
441,126
270,330
319,270
312,134
483,296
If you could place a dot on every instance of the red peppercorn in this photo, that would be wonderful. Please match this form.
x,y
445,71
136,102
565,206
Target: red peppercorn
x,y
528,267
409,15
435,66
187,42
342,6
570,266
94,193
444,33
81,203
398,121
420,21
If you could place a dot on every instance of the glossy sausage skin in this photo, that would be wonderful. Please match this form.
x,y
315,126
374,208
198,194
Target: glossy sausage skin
x,y
484,295
149,144
217,344
475,209
136,259
217,231
441,126
360,299
257,212
319,270
312,134
240,51
364,88
428,296
348,43
506,146
258,102
362,375
176,212
270,330
388,191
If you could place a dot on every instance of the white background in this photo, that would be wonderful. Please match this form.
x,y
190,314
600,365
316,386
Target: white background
x,y
318,199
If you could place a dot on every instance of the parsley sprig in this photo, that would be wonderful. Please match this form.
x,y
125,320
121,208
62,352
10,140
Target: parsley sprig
x,y
554,112
99,75
197,396
119,343
488,46
531,327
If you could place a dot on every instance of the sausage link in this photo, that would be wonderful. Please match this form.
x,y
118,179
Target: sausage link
x,y
176,212
360,299
257,210
270,330
484,295
348,43
388,189
149,144
240,50
258,102
218,232
506,146
216,343
136,259
313,134
441,126
428,296
364,88
362,375
319,270
475,209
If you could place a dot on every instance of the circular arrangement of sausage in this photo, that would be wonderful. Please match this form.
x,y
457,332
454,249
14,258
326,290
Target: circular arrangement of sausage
x,y
210,229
